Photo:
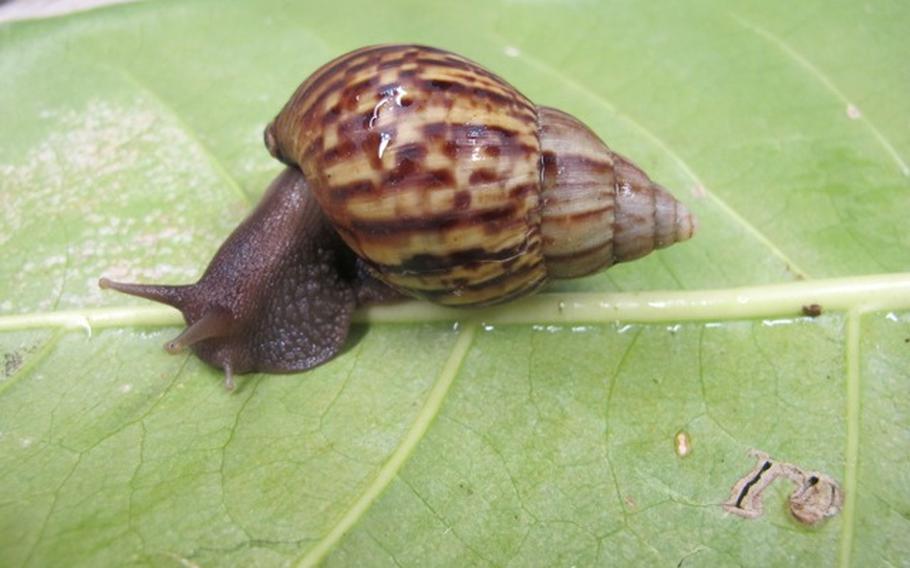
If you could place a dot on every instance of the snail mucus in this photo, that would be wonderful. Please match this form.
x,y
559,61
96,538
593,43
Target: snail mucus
x,y
410,172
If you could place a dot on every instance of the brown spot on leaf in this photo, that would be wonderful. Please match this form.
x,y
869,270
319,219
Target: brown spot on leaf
x,y
12,361
812,310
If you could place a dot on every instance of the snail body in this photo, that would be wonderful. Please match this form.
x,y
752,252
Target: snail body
x,y
411,171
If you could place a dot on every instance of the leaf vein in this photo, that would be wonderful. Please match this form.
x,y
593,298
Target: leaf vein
x,y
817,73
607,431
851,451
444,522
393,465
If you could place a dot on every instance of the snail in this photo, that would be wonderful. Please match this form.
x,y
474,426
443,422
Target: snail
x,y
410,171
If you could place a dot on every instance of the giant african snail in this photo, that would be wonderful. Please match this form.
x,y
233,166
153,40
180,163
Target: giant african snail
x,y
411,170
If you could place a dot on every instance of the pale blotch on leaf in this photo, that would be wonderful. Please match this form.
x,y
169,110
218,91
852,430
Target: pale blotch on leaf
x,y
853,112
512,51
683,443
129,146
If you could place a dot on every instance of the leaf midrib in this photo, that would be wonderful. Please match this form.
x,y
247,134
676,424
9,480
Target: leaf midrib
x,y
879,292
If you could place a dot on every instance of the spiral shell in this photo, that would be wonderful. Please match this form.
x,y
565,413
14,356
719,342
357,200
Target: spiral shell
x,y
454,187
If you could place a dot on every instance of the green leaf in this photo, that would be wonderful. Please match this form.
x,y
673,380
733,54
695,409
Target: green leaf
x,y
539,433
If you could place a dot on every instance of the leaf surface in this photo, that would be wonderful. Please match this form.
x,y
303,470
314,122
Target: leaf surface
x,y
542,433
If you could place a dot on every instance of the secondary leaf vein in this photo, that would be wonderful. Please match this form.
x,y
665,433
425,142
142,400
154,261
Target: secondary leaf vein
x,y
817,73
851,452
393,465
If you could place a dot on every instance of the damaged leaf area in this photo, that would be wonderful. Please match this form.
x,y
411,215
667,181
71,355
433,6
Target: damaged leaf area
x,y
815,495
606,421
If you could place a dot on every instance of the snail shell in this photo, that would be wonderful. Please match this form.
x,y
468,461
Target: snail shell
x,y
411,170
455,187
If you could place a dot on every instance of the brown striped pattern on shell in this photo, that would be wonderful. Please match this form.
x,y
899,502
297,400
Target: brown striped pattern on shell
x,y
578,196
648,217
428,167
598,207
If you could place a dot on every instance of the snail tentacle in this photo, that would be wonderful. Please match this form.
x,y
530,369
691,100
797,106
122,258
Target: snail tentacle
x,y
215,323
174,296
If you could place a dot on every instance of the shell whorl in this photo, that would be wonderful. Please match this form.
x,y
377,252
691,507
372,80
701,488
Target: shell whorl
x,y
454,187
428,167
598,207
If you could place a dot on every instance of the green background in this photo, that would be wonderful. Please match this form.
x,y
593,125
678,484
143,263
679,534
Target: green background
x,y
131,145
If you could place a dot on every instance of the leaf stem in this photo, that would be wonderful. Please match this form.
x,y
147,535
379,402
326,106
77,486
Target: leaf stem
x,y
859,293
94,318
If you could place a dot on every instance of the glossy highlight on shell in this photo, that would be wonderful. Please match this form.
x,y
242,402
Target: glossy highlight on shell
x,y
411,171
